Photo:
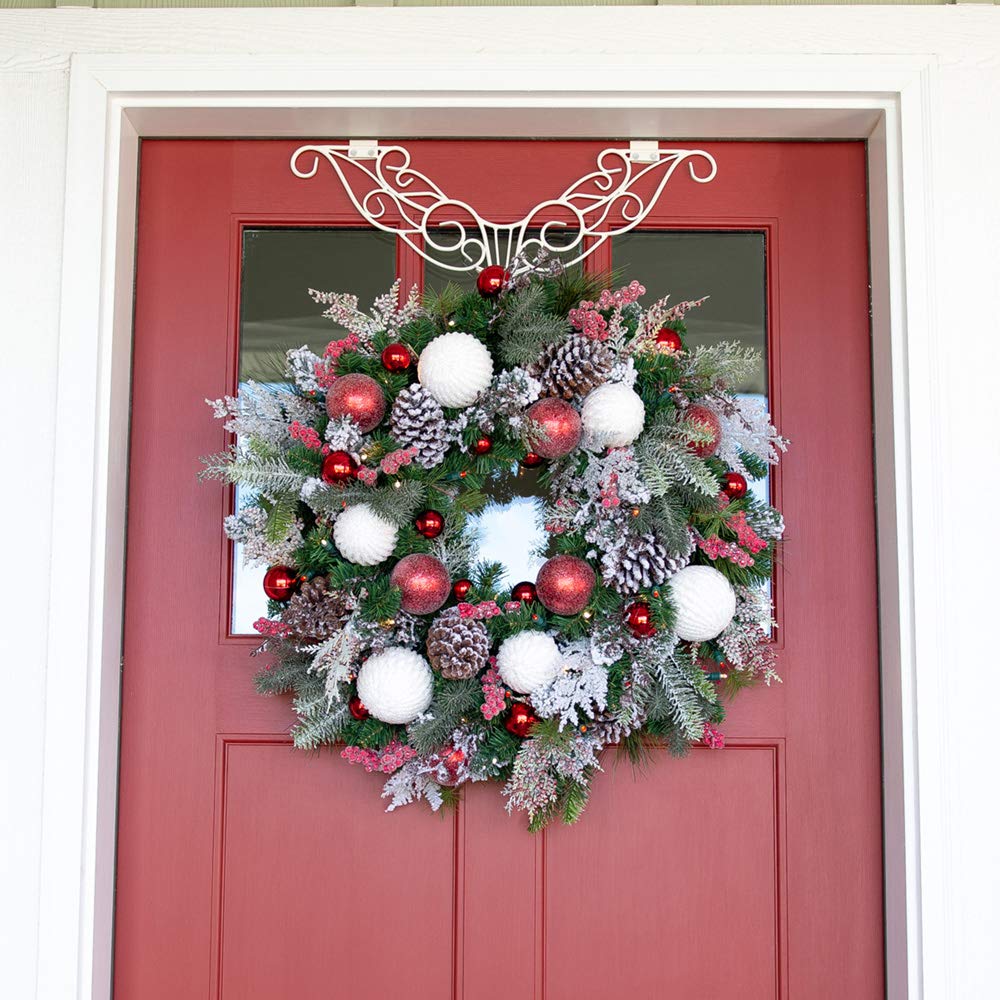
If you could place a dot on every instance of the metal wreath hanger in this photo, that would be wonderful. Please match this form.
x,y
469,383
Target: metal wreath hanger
x,y
392,196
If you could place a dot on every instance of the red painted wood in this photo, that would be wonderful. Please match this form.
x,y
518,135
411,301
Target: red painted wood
x,y
246,870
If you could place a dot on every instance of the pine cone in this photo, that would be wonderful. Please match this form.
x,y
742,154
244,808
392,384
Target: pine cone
x,y
572,367
417,421
457,647
314,613
639,561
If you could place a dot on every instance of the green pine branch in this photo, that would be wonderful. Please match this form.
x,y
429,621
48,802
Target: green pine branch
x,y
455,705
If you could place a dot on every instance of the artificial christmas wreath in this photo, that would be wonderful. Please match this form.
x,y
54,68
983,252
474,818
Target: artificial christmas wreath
x,y
367,470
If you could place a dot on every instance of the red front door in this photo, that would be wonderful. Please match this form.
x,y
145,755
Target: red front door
x,y
251,872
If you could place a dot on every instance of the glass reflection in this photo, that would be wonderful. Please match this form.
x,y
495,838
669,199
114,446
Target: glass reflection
x,y
510,529
277,314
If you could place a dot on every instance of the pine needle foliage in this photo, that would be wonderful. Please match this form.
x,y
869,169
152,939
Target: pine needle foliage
x,y
454,702
270,475
280,677
573,286
281,514
527,326
666,462
496,752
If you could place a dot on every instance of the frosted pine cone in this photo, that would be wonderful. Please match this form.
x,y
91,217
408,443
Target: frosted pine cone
x,y
457,647
572,367
417,421
314,613
639,561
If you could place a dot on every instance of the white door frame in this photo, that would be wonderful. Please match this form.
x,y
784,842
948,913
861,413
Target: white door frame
x,y
116,99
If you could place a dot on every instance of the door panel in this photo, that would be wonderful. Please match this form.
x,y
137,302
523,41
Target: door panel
x,y
247,870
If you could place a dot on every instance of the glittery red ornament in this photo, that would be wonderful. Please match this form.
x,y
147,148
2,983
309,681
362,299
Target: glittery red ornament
x,y
670,338
524,591
565,584
451,761
491,280
461,588
358,396
424,581
357,709
734,485
532,460
639,620
396,358
481,446
338,467
707,423
520,720
560,427
280,582
430,523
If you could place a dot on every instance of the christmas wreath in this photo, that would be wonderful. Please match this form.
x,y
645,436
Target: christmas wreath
x,y
367,470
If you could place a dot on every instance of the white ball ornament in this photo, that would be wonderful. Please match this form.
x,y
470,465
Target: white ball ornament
x,y
704,600
613,416
396,685
363,537
455,368
528,660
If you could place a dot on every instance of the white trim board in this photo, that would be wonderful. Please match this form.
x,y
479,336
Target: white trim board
x,y
892,100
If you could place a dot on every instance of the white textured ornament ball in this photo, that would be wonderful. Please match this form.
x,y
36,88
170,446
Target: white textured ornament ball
x,y
613,416
396,685
704,600
363,537
528,660
455,368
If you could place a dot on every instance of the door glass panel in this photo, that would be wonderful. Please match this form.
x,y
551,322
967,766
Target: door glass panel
x,y
510,528
277,314
729,267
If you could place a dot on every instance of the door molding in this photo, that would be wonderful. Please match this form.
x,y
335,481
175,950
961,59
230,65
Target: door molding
x,y
116,100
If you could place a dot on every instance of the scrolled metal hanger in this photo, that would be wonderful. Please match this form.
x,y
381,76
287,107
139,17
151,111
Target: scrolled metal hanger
x,y
390,195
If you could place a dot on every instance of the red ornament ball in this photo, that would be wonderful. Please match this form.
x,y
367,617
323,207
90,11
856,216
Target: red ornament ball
x,y
461,588
491,281
357,709
670,338
430,523
532,460
396,358
520,720
357,396
424,581
338,467
734,485
481,446
704,420
559,424
565,584
280,582
524,591
451,761
639,620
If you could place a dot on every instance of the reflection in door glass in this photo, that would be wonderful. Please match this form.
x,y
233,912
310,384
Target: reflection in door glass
x,y
509,529
730,268
277,314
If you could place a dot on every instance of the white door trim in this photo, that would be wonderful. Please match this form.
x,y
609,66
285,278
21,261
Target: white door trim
x,y
114,100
